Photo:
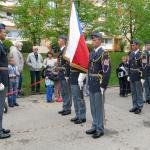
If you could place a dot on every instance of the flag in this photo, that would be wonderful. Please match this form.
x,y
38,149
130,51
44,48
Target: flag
x,y
77,51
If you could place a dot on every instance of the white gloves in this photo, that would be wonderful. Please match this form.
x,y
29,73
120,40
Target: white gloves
x,y
2,87
128,78
142,81
67,78
81,78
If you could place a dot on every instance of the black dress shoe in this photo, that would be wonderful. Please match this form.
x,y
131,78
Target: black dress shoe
x,y
65,113
133,110
16,104
90,131
148,102
74,119
79,121
4,135
97,135
6,131
60,112
11,105
138,111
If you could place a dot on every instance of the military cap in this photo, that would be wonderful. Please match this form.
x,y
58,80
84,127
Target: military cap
x,y
2,26
95,35
136,42
63,37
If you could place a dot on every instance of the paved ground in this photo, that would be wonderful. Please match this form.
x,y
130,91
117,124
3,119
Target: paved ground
x,y
36,125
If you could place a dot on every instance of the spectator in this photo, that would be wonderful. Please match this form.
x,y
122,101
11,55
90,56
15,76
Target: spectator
x,y
51,62
122,76
35,62
13,82
15,52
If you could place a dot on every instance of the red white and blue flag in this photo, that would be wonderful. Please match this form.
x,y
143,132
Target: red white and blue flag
x,y
77,50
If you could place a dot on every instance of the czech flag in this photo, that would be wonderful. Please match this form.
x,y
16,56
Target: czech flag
x,y
77,51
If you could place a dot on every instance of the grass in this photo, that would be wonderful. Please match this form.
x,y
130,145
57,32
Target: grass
x,y
115,60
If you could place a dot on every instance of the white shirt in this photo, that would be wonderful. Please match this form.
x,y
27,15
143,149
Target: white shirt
x,y
62,48
50,62
136,51
97,48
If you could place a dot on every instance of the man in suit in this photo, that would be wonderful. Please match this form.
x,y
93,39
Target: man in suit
x,y
64,69
3,81
135,75
99,74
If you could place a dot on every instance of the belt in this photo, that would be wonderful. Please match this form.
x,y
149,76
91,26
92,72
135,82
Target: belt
x,y
3,68
132,69
61,68
74,71
94,75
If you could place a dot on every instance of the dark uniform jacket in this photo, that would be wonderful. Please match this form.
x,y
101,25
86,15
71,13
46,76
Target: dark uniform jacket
x,y
135,66
3,63
64,67
99,64
146,63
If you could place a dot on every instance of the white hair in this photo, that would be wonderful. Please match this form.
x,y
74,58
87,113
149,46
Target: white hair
x,y
18,44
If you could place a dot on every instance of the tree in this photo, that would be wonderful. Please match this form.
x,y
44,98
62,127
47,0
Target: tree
x,y
129,18
39,19
31,17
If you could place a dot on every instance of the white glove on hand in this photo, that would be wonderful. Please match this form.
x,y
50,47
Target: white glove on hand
x,y
128,78
67,78
81,78
80,85
2,87
142,80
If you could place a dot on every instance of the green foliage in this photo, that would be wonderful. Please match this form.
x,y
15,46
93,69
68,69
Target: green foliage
x,y
122,46
129,18
7,44
27,47
39,19
31,17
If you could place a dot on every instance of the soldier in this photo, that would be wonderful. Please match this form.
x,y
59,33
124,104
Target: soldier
x,y
135,74
64,69
77,96
99,74
146,71
3,80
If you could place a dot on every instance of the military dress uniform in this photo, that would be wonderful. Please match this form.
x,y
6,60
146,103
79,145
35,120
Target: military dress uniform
x,y
78,100
98,74
64,70
135,75
4,81
146,74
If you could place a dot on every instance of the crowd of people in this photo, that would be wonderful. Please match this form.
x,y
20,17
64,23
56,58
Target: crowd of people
x,y
65,82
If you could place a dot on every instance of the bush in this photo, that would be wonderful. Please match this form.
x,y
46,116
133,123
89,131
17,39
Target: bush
x,y
122,46
27,47
7,44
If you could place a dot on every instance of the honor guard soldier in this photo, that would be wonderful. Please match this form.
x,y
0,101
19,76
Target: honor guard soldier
x,y
64,68
98,75
78,98
3,80
135,75
146,71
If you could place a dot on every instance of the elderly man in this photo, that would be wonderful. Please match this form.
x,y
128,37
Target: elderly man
x,y
3,80
15,52
35,62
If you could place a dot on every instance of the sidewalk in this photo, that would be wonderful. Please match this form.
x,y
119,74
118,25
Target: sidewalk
x,y
36,125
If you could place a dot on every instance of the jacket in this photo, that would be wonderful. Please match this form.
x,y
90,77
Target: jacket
x,y
33,63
